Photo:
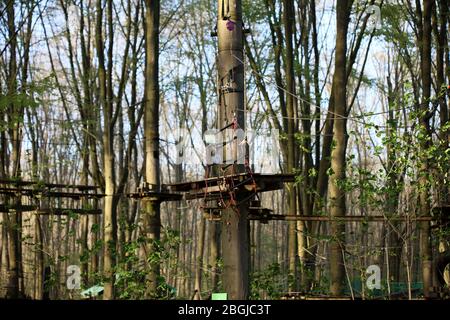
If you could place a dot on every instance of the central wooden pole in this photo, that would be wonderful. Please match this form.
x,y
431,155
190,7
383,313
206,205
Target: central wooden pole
x,y
235,240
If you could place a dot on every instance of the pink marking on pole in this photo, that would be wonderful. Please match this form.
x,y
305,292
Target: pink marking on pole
x,y
230,25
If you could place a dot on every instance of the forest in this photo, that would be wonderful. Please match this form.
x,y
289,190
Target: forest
x,y
227,149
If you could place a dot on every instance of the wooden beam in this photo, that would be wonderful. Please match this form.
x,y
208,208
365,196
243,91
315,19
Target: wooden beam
x,y
443,210
67,211
17,208
47,211
161,196
51,194
48,185
378,218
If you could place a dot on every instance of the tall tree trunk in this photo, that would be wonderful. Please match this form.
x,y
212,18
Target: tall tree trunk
x,y
288,17
152,220
84,220
441,58
306,203
105,99
199,266
13,220
335,187
392,229
214,254
235,246
424,195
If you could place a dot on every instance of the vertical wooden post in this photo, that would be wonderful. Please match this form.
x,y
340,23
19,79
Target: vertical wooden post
x,y
235,247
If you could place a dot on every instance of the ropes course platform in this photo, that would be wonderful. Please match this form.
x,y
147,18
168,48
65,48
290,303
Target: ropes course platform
x,y
34,188
48,198
219,187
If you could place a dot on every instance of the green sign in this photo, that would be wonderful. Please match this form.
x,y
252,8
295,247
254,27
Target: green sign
x,y
219,296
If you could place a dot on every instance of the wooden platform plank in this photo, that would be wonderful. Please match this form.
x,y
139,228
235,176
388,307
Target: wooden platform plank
x,y
67,211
